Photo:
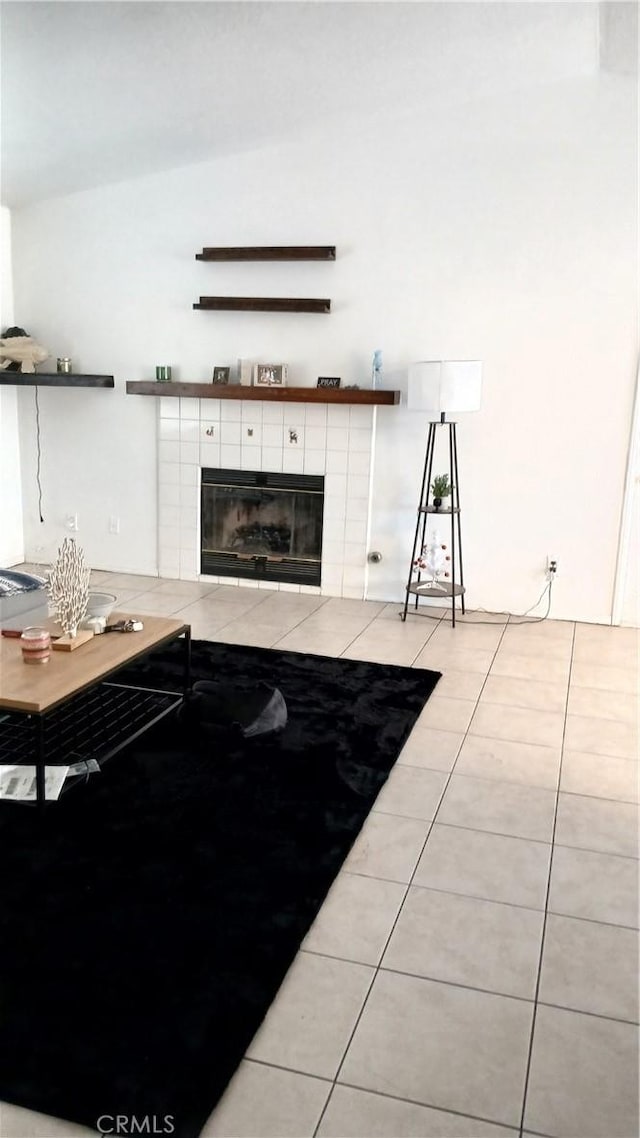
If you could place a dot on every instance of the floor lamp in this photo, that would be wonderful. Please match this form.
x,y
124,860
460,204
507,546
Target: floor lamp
x,y
440,387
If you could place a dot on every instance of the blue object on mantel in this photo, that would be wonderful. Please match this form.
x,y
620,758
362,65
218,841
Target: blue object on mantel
x,y
376,367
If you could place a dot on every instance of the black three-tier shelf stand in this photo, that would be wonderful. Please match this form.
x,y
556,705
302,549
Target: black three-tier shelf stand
x,y
420,584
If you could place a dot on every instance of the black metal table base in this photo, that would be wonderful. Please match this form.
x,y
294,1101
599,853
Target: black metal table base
x,y
93,724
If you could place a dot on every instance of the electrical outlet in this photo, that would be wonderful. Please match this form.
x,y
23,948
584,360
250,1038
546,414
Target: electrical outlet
x,y
114,524
552,568
71,522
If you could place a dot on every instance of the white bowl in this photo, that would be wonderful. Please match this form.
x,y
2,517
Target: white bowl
x,y
101,604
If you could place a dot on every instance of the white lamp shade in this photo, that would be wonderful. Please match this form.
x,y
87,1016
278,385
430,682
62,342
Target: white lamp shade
x,y
445,385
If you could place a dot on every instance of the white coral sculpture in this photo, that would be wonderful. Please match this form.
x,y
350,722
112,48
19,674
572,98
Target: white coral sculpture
x,y
68,587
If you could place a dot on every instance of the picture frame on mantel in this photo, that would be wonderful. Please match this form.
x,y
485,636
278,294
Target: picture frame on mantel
x,y
221,374
328,381
270,375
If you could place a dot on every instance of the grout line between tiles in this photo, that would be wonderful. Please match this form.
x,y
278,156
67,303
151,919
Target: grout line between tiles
x,y
489,778
493,900
428,1106
507,739
380,1094
301,622
519,782
487,702
591,921
472,897
380,966
458,893
599,797
501,995
458,985
589,849
546,913
405,894
375,967
585,1012
281,1067
374,973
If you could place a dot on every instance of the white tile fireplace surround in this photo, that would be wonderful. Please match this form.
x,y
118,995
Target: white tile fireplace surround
x,y
297,438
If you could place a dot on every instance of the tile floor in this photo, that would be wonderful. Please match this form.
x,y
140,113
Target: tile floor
x,y
474,970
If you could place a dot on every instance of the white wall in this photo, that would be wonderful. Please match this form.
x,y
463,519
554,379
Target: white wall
x,y
502,230
11,533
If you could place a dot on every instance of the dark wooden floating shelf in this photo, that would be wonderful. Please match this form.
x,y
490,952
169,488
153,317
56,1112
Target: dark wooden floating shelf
x,y
267,253
54,379
262,304
265,394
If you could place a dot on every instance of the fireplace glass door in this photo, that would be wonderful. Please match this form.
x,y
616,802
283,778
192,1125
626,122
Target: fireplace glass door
x,y
258,524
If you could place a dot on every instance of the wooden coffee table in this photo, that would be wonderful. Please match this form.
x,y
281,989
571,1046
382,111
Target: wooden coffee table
x,y
65,711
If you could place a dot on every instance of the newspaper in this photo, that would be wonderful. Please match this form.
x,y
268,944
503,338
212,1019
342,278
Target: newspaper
x,y
19,783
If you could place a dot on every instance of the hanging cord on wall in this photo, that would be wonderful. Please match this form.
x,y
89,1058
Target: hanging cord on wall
x,y
536,619
39,454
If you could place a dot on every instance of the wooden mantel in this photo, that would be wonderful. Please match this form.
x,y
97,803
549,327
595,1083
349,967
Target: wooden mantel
x,y
266,394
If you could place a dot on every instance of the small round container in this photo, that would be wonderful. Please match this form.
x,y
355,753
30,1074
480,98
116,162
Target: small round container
x,y
36,646
64,365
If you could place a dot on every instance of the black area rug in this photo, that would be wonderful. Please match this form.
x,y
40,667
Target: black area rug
x,y
147,921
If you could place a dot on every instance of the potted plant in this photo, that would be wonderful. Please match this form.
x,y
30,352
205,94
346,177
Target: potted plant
x,y
440,488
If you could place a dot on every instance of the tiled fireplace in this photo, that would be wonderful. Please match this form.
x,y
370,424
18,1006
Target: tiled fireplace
x,y
261,524
292,438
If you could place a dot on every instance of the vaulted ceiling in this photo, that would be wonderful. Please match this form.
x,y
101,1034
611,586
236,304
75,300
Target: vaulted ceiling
x,y
95,92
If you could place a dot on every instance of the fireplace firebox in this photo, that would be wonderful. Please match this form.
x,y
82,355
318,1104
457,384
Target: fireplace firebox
x,y
262,525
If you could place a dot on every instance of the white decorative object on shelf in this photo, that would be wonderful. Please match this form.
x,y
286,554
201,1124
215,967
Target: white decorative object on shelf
x,y
245,371
68,587
434,560
19,352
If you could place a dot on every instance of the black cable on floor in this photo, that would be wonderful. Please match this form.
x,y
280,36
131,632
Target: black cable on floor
x,y
518,618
